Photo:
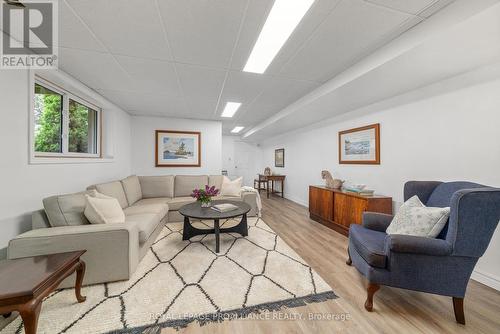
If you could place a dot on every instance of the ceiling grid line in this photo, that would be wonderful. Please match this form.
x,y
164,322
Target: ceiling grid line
x,y
391,8
240,28
171,51
97,39
176,62
300,47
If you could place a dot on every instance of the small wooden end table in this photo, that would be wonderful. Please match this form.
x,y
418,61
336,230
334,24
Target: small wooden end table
x,y
279,179
25,282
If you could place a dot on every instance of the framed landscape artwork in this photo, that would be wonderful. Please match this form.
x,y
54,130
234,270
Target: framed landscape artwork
x,y
360,145
178,148
279,157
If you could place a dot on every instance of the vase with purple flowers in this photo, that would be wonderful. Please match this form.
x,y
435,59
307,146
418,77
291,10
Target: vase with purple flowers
x,y
204,196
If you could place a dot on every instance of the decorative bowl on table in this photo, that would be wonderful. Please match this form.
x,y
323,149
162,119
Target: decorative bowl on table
x,y
354,187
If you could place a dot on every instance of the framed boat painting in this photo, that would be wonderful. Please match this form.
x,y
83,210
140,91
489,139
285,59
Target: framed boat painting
x,y
177,148
360,145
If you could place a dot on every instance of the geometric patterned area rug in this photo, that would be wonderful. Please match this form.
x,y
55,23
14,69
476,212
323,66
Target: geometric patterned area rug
x,y
179,282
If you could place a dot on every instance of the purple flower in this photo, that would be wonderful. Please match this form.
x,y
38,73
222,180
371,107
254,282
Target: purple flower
x,y
205,194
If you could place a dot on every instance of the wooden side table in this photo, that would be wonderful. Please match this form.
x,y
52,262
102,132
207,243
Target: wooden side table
x,y
278,178
25,282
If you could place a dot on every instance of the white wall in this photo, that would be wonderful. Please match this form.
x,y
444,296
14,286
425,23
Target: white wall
x,y
143,145
24,185
453,136
228,154
240,158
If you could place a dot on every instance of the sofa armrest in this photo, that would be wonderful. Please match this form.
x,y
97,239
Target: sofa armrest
x,y
250,198
376,221
112,249
399,243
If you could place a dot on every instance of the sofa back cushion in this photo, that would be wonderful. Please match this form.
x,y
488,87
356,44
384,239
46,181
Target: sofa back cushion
x,y
113,189
157,186
132,188
216,180
185,184
66,210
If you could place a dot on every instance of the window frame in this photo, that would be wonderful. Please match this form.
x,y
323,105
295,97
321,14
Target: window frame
x,y
65,155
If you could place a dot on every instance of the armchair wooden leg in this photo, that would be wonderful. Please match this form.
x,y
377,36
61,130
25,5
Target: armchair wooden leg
x,y
348,261
371,289
458,307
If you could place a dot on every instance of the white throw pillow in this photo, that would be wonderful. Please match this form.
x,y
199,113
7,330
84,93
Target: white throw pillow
x,y
414,218
231,188
102,209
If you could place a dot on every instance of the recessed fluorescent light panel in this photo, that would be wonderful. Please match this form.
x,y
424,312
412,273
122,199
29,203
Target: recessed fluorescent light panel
x,y
237,129
230,109
281,22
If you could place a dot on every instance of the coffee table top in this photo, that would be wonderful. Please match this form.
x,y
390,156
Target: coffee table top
x,y
27,277
194,210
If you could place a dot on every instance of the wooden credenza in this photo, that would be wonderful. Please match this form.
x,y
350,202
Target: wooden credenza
x,y
339,209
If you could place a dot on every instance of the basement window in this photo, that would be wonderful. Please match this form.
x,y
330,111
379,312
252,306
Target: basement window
x,y
64,125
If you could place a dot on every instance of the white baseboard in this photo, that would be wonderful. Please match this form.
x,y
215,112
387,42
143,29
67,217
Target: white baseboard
x,y
486,279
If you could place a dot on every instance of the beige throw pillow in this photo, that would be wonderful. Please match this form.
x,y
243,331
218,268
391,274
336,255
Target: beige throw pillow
x,y
102,209
414,218
231,188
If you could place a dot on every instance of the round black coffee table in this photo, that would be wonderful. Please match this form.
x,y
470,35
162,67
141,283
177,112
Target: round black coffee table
x,y
194,210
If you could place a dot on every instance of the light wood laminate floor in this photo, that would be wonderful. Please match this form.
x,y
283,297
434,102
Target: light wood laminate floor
x,y
395,310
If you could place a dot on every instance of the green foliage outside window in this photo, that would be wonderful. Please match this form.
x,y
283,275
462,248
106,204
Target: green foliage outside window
x,y
79,118
48,123
48,114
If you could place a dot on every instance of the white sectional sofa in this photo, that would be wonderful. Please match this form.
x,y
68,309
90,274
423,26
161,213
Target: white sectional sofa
x,y
113,250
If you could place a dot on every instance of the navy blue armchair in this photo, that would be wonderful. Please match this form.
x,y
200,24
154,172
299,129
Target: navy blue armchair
x,y
440,266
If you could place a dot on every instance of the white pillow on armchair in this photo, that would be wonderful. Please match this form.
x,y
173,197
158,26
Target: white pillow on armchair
x,y
414,218
231,188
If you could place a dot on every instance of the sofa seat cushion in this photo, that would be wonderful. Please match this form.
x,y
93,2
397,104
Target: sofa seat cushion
x,y
156,208
146,224
158,200
369,244
177,202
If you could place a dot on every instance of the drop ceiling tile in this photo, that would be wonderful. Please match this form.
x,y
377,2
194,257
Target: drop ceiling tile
x,y
96,70
354,29
202,32
254,21
138,103
201,87
126,27
279,95
73,33
244,88
151,75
